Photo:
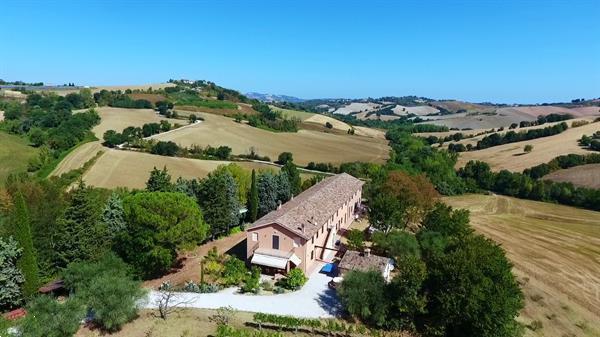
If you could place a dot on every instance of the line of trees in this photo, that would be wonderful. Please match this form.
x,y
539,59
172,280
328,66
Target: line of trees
x,y
513,137
561,162
478,176
550,118
131,133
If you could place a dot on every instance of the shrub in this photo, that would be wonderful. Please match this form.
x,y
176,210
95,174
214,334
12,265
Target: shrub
x,y
266,285
356,240
295,279
278,290
48,318
535,325
191,287
113,300
106,288
576,124
252,283
234,271
207,288
528,148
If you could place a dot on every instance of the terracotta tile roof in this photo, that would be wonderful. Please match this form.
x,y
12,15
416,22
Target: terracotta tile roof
x,y
313,207
354,260
15,314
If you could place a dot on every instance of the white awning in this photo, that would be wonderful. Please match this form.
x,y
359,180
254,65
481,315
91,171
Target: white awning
x,y
269,261
279,262
295,260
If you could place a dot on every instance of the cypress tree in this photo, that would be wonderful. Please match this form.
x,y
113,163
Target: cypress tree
x,y
293,176
22,233
253,199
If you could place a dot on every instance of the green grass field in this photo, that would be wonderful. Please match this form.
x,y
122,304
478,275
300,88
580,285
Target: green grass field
x,y
15,152
181,98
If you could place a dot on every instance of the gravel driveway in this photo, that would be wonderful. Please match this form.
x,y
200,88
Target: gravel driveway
x,y
314,300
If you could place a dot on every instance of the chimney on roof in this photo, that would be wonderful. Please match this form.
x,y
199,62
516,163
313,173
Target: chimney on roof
x,y
302,228
367,251
279,205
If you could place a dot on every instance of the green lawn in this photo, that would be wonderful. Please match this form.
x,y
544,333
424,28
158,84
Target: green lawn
x,y
182,98
15,152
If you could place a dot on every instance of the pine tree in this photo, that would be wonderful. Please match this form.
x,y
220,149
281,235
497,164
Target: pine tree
x,y
159,181
218,199
22,233
253,199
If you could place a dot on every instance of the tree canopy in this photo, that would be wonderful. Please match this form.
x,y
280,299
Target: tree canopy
x,y
159,223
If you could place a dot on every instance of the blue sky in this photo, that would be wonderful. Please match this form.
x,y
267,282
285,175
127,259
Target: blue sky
x,y
502,51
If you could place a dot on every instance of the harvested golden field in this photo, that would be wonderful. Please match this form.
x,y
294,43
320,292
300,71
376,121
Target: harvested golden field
x,y
584,176
556,255
306,145
511,156
369,132
119,118
119,168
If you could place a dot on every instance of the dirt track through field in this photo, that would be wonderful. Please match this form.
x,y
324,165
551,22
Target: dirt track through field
x,y
556,255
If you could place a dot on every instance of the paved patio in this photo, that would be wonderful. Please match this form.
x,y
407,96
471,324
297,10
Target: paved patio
x,y
314,300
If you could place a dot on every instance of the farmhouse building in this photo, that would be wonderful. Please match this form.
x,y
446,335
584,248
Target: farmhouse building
x,y
304,231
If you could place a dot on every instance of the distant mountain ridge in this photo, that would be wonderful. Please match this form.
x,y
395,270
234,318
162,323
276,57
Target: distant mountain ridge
x,y
274,98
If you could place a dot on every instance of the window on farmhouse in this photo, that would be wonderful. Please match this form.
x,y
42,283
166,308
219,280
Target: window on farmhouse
x,y
275,241
312,255
254,236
